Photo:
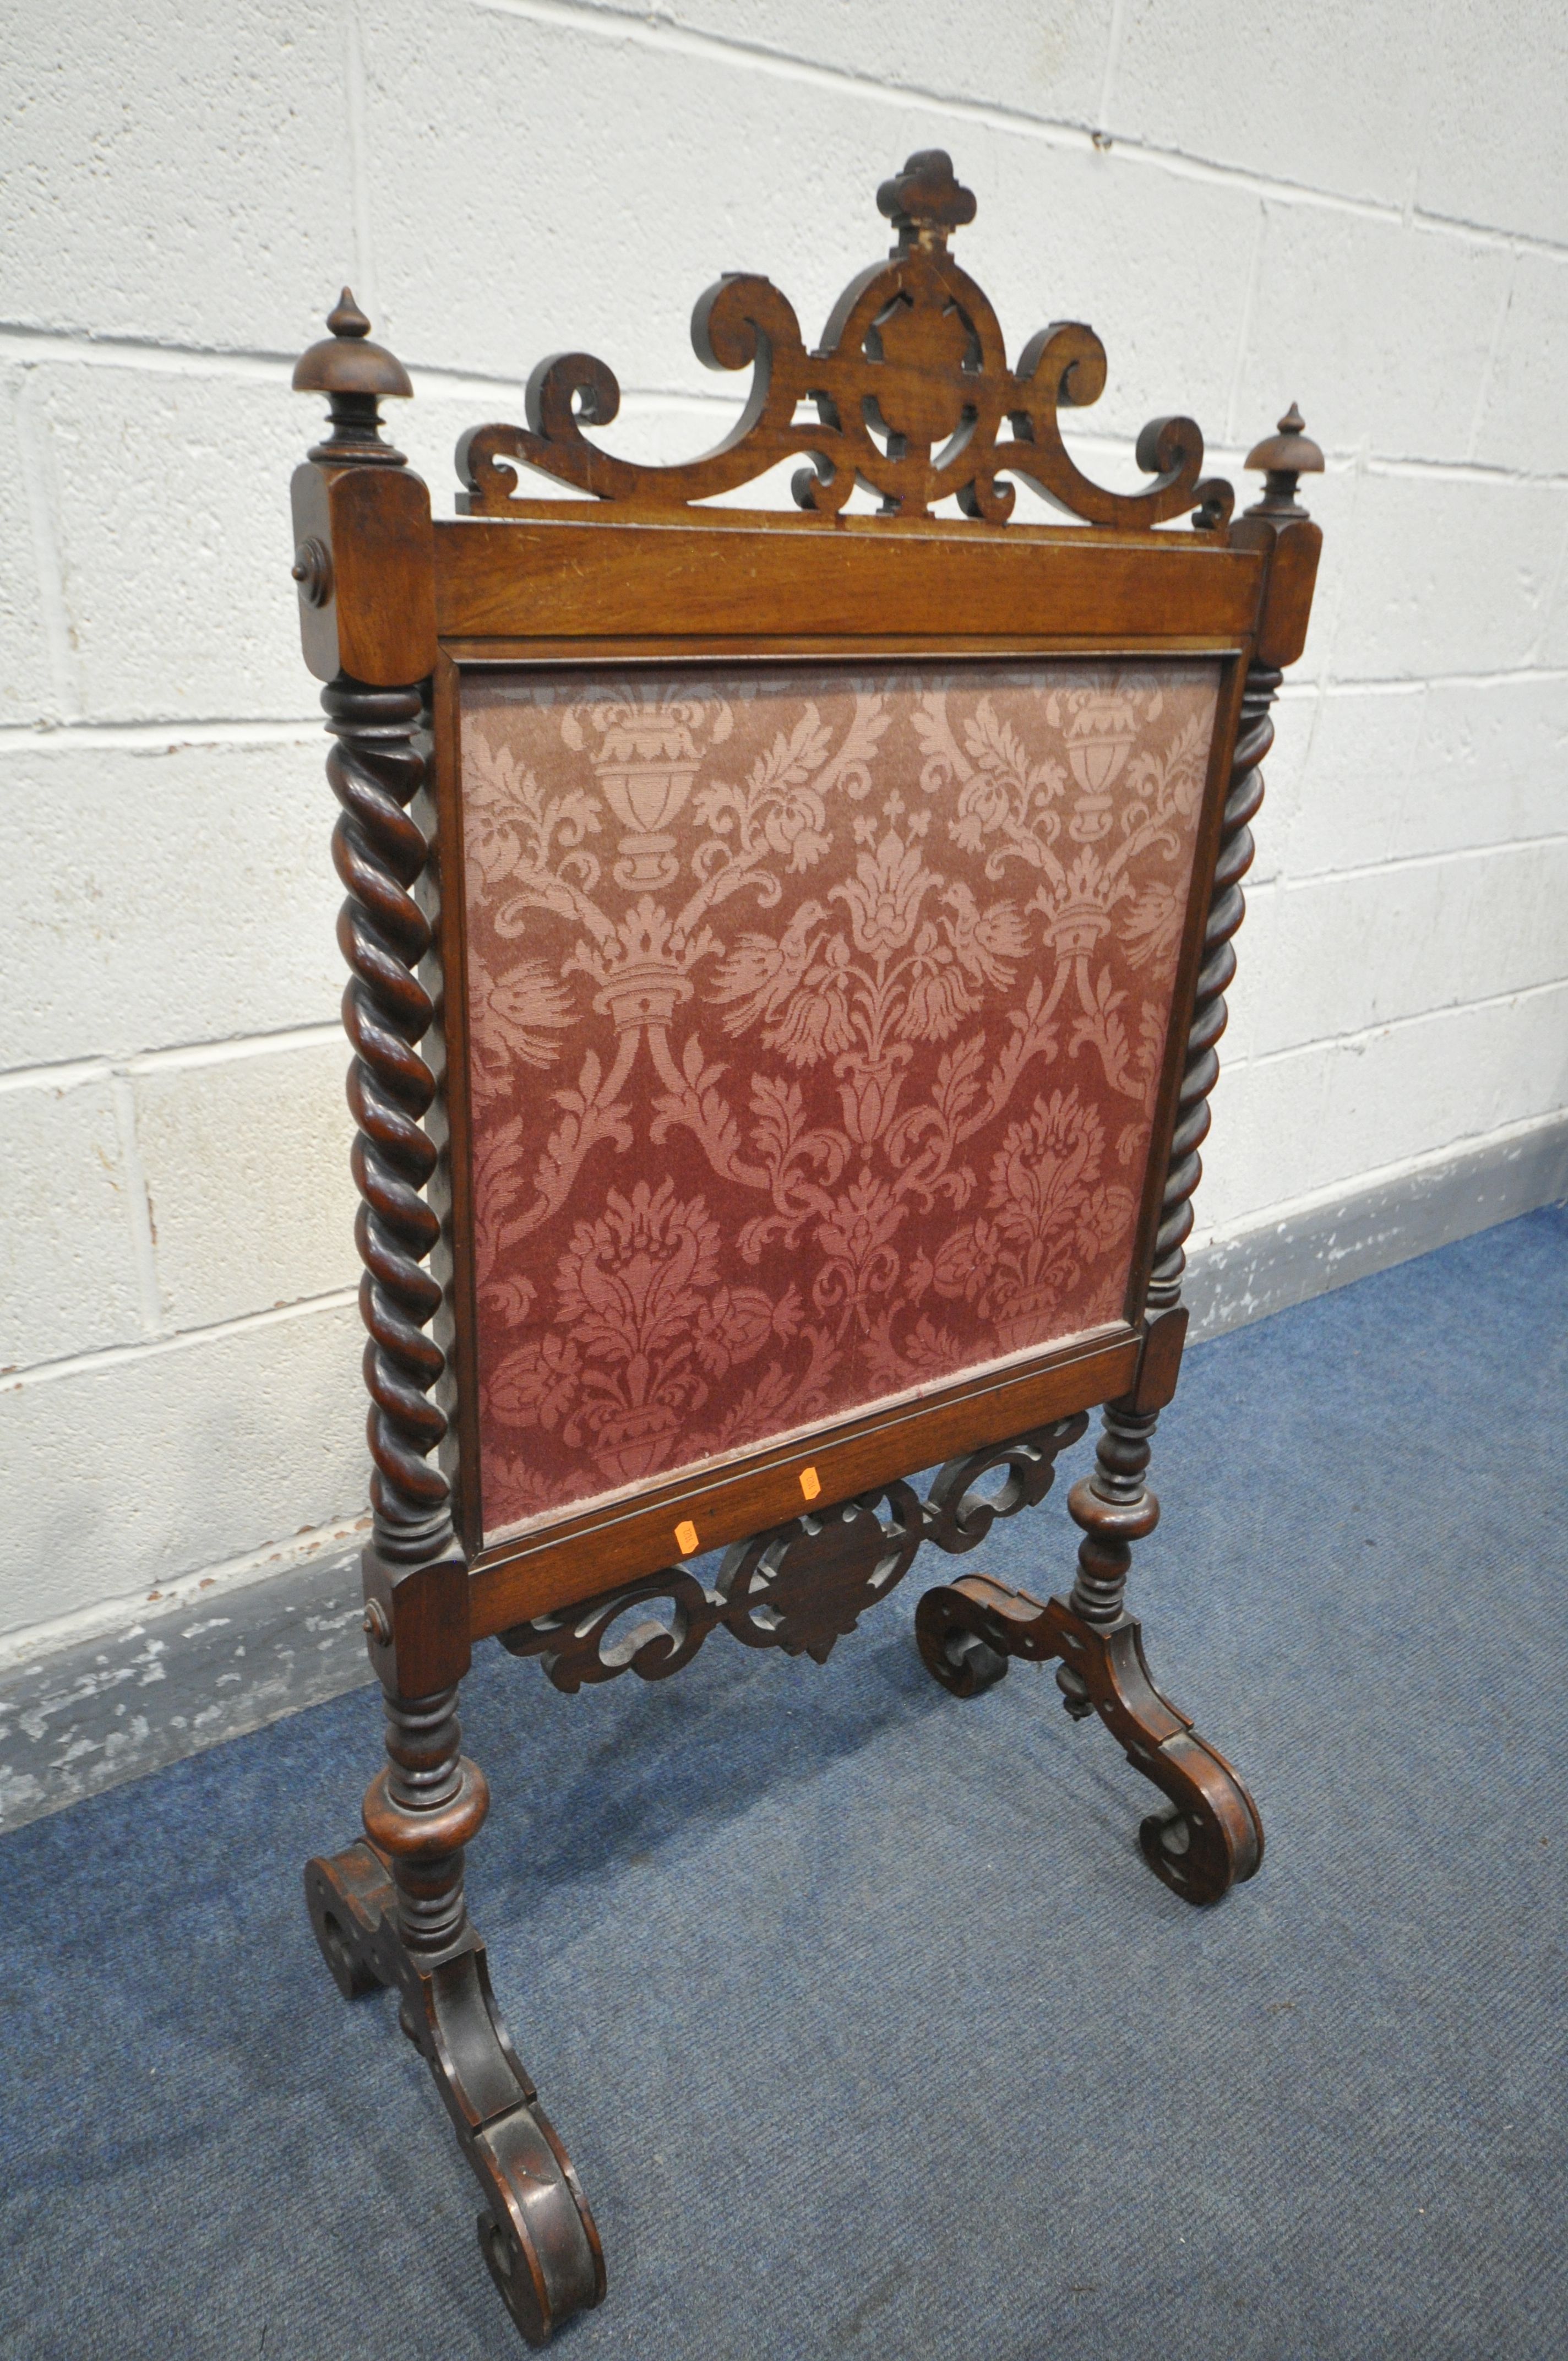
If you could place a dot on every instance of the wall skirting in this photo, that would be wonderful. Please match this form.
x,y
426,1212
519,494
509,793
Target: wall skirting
x,y
1327,1242
96,1712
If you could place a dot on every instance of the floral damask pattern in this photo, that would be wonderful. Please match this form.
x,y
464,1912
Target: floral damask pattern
x,y
816,1020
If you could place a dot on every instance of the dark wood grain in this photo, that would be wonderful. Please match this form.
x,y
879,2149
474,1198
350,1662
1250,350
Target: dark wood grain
x,y
1211,1836
536,2234
1279,526
601,579
1176,1064
363,557
1199,1069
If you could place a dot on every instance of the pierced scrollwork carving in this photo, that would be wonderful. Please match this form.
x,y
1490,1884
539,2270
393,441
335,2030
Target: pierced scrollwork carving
x,y
800,1586
914,400
958,1514
576,1646
807,1585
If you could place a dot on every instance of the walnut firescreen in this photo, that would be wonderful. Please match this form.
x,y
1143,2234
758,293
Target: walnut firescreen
x,y
787,956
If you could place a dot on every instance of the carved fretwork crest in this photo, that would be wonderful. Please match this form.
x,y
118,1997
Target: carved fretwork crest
x,y
912,398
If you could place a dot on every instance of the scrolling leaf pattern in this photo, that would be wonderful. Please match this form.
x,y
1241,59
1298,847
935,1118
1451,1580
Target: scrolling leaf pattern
x,y
815,1018
912,398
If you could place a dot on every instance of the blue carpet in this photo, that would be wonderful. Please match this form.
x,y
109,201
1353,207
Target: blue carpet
x,y
867,2028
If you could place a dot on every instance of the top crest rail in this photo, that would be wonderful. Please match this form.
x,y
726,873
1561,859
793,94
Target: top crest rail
x,y
913,399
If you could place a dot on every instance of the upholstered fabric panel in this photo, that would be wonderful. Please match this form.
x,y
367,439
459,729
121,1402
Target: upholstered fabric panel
x,y
815,1016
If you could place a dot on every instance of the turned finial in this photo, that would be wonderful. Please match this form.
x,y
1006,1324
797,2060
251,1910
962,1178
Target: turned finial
x,y
1282,459
346,318
924,201
355,375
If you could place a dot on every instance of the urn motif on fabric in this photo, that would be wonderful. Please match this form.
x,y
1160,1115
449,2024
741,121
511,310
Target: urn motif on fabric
x,y
817,1016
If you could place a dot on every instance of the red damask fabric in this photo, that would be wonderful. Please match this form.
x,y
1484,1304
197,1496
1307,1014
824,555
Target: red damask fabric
x,y
815,1018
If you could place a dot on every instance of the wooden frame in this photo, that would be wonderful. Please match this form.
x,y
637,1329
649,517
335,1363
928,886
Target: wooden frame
x,y
401,618
539,1572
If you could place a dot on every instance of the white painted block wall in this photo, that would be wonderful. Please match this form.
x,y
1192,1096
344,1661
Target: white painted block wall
x,y
1363,208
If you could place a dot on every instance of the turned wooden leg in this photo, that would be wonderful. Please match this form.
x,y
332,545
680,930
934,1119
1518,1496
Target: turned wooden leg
x,y
391,1911
1210,1837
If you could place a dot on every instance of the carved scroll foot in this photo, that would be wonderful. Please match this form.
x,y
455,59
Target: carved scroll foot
x,y
536,2233
1212,1838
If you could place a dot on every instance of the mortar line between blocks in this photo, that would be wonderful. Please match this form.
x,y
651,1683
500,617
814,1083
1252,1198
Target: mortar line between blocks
x,y
1260,1220
1243,333
1483,392
1334,606
68,1074
38,487
1397,863
138,1205
201,1586
1353,1040
112,1356
1406,786
65,1074
177,736
1113,59
1392,685
354,98
34,347
168,737
235,1047
660,32
1554,592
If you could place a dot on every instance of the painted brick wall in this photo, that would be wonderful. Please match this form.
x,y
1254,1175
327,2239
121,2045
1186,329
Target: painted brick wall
x,y
1363,209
